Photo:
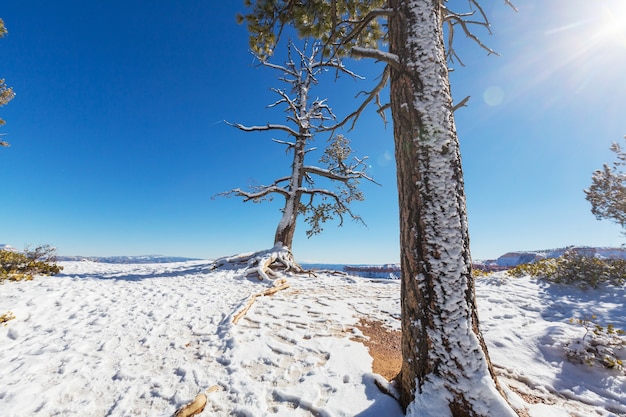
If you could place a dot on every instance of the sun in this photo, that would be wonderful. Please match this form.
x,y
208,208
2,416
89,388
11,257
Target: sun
x,y
612,24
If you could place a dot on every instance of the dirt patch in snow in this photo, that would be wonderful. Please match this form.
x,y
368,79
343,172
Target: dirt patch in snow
x,y
384,346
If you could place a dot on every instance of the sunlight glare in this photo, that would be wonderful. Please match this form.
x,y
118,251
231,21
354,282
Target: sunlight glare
x,y
613,23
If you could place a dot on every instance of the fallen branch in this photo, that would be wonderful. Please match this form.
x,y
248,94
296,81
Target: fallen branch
x,y
278,285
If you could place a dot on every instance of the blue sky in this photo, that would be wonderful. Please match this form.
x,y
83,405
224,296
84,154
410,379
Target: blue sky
x,y
118,143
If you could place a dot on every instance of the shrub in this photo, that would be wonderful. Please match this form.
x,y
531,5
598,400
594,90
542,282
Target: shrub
x,y
573,268
18,266
6,317
479,273
599,345
542,268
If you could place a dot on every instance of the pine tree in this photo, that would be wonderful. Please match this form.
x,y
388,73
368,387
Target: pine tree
x,y
6,93
607,193
446,368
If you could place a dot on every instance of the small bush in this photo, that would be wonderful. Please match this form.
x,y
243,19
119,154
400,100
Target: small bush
x,y
18,266
6,317
599,345
572,268
542,268
479,273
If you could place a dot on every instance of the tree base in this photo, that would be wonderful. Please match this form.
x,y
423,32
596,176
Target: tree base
x,y
266,264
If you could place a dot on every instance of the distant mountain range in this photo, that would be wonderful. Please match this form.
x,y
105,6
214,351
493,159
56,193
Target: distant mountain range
x,y
506,261
141,259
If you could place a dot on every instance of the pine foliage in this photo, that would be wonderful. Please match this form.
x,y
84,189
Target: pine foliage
x,y
607,193
266,20
575,269
6,93
600,346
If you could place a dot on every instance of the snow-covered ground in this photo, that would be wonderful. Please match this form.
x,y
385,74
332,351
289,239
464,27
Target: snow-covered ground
x,y
143,340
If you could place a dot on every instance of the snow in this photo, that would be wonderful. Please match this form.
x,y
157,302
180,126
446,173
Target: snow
x,y
144,339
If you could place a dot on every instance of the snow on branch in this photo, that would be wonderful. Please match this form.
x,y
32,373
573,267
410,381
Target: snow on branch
x,y
289,145
284,99
291,71
332,175
389,58
259,195
268,126
510,4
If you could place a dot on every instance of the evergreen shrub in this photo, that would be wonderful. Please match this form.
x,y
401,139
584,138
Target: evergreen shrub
x,y
4,318
575,269
603,346
19,266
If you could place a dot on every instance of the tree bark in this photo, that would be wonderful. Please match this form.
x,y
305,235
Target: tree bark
x,y
287,225
445,361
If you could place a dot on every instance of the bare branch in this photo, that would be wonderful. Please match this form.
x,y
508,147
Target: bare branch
x,y
280,68
482,13
337,65
284,142
457,20
350,174
453,19
285,99
510,4
382,108
326,173
257,195
277,103
389,58
462,103
371,95
268,126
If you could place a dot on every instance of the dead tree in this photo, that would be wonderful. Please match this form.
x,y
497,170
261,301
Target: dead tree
x,y
308,118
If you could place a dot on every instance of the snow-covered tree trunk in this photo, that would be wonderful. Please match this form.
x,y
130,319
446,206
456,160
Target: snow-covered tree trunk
x,y
287,225
446,369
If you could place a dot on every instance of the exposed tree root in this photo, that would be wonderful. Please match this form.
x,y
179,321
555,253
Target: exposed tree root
x,y
196,406
266,264
280,284
387,388
193,408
